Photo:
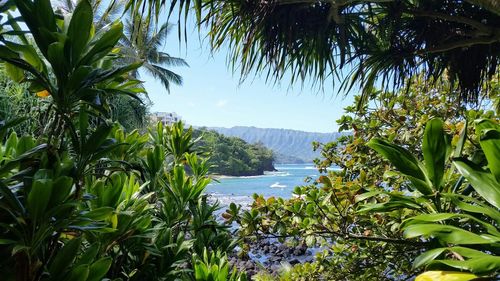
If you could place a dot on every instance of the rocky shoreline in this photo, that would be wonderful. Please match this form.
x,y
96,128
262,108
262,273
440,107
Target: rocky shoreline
x,y
271,255
268,253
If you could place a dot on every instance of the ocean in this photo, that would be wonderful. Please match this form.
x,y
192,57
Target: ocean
x,y
278,184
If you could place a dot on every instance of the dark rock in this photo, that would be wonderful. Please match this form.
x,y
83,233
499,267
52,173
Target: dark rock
x,y
294,261
249,264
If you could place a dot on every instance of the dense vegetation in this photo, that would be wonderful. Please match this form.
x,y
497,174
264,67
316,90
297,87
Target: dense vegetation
x,y
401,203
233,156
418,195
80,198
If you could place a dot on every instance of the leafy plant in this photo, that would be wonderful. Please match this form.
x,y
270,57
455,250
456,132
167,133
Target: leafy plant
x,y
214,267
467,227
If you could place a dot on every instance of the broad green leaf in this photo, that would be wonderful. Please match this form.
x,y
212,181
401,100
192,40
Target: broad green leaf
x,y
96,139
99,269
56,57
427,257
100,213
404,161
61,190
490,143
480,265
39,197
79,29
80,273
24,144
437,217
483,182
103,42
485,124
89,255
477,206
447,234
434,148
14,72
367,195
65,257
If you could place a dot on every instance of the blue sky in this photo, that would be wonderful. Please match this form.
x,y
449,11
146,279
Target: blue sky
x,y
212,95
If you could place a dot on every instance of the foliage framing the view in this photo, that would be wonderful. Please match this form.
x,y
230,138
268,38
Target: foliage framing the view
x,y
367,215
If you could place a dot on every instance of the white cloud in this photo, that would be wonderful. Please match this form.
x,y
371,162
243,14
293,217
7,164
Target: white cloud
x,y
221,103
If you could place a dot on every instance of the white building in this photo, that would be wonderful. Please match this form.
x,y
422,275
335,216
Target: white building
x,y
167,118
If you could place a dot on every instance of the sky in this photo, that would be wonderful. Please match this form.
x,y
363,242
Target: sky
x,y
213,96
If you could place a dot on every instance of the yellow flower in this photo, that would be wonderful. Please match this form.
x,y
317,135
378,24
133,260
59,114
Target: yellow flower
x,y
445,276
43,94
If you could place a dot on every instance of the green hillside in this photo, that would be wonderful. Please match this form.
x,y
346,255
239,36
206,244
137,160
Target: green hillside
x,y
233,156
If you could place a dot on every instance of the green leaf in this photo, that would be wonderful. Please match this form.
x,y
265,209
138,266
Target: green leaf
x,y
480,265
103,43
96,139
100,213
461,140
65,257
490,143
15,73
56,57
25,143
11,198
438,217
477,207
79,29
483,182
7,241
427,257
89,255
447,234
61,190
434,148
99,269
404,161
39,197
80,273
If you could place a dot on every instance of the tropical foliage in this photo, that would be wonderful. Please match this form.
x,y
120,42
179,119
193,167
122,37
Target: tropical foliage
x,y
85,198
435,210
366,43
82,199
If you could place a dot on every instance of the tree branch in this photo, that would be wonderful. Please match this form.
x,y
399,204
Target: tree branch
x,y
459,44
490,5
353,237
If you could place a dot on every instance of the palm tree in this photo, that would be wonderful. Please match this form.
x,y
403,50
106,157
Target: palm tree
x,y
383,41
141,42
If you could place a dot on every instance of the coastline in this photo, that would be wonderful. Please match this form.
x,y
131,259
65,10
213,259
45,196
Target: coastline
x,y
266,173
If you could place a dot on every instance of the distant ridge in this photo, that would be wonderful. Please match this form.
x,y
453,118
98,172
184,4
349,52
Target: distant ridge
x,y
290,146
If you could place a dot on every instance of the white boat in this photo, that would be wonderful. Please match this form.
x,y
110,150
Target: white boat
x,y
277,185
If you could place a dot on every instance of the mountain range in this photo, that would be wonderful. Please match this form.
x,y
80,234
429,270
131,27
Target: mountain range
x,y
289,146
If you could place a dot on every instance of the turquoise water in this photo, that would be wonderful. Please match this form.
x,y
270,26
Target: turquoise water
x,y
279,184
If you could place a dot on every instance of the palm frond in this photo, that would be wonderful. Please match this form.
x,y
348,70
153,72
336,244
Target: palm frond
x,y
165,59
165,76
158,38
384,41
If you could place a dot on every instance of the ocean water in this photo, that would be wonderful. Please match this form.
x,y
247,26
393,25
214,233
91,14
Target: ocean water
x,y
279,184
